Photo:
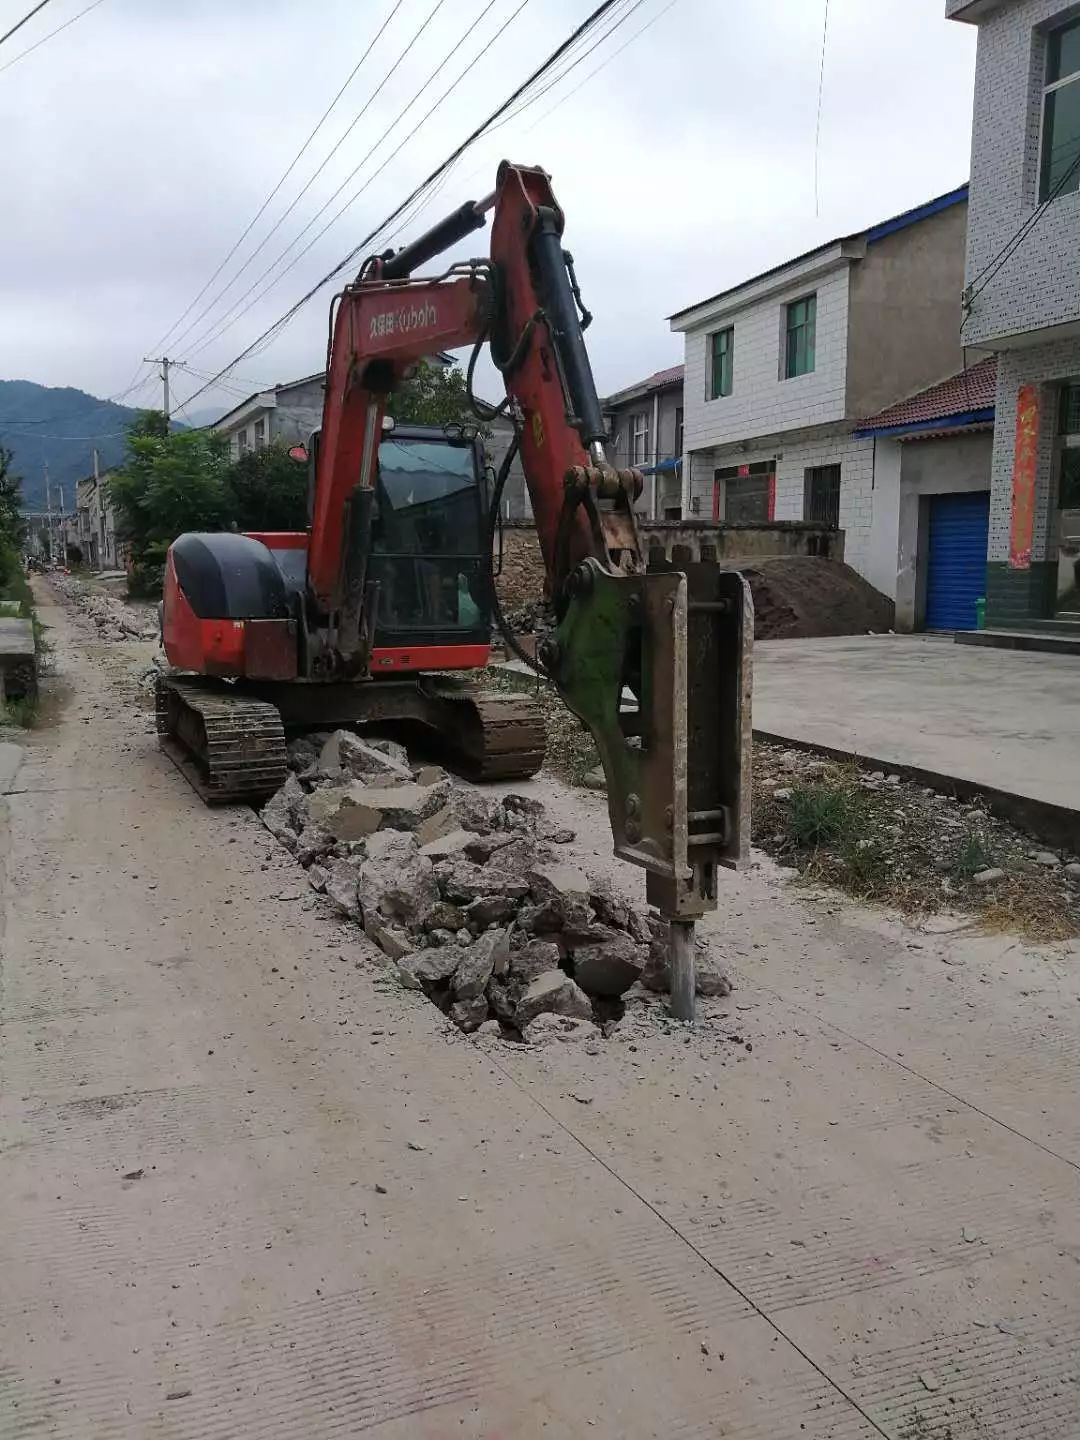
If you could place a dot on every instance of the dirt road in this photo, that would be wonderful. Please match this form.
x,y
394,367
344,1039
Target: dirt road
x,y
250,1188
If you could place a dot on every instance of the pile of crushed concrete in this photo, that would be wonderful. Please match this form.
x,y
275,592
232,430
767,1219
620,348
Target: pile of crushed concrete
x,y
115,620
473,899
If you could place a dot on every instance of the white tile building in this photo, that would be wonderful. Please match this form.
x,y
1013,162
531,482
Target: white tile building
x,y
1023,296
779,369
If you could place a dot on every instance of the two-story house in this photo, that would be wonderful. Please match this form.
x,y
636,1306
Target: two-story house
x,y
1023,296
284,415
779,369
645,421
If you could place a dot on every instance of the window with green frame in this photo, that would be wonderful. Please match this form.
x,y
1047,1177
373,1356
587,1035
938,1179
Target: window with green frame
x,y
801,331
722,367
1060,174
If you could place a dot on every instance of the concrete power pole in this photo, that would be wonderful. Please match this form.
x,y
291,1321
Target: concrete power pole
x,y
164,362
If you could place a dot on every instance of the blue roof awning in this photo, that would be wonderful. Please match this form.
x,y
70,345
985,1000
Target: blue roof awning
x,y
663,467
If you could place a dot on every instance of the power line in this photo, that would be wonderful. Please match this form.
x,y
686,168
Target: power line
x,y
604,63
1009,249
20,23
158,344
581,84
820,99
23,53
297,198
230,318
557,79
592,19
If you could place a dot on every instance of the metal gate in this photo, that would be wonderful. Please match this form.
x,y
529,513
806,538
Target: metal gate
x,y
956,560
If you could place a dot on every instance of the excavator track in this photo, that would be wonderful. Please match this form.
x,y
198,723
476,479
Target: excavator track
x,y
230,747
496,737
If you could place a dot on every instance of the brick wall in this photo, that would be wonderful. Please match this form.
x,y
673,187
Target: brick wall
x,y
761,402
794,455
1040,285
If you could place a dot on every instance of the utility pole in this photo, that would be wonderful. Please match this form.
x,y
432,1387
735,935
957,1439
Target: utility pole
x,y
48,512
164,362
98,515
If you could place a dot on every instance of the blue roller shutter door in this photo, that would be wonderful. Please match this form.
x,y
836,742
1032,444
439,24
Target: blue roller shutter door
x,y
956,564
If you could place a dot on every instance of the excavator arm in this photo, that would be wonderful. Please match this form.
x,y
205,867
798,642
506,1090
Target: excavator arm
x,y
656,662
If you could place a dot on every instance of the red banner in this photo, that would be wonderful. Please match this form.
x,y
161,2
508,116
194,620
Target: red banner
x,y
1025,463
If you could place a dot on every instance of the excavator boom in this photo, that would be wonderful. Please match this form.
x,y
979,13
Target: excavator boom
x,y
656,664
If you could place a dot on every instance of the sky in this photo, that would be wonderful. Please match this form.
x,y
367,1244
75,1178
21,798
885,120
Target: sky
x,y
142,140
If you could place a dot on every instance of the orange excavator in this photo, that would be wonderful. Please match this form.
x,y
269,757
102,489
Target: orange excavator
x,y
377,612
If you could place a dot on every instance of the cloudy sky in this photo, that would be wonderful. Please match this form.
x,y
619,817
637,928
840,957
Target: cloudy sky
x,y
140,142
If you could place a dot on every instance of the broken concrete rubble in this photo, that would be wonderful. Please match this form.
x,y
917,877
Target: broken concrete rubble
x,y
555,993
352,811
533,959
566,1028
347,753
475,970
341,887
610,966
467,896
396,881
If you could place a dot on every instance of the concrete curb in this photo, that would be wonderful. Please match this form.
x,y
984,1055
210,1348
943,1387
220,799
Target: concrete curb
x,y
1055,824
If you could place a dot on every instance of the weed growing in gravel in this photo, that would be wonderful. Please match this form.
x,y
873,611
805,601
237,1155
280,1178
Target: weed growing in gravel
x,y
974,854
822,814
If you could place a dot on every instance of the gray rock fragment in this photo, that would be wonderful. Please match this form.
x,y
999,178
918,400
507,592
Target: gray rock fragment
x,y
533,959
611,967
396,881
479,962
341,887
552,992
433,966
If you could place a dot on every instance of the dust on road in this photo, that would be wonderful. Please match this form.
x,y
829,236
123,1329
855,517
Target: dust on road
x,y
252,1187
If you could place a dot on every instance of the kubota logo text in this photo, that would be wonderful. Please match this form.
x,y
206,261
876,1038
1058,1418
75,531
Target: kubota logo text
x,y
400,322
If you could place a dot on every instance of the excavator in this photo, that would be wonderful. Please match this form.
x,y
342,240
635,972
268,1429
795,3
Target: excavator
x,y
378,611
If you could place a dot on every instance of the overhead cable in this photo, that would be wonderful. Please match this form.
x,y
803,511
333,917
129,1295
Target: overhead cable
x,y
20,23
159,344
239,308
311,180
348,260
30,48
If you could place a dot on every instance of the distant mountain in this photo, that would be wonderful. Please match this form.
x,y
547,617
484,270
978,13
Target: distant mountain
x,y
197,418
60,427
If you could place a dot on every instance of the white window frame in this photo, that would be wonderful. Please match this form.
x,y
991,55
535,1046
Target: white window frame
x,y
639,438
260,433
1047,90
242,445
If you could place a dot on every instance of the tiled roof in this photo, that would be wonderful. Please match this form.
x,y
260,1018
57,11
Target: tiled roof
x,y
673,375
970,392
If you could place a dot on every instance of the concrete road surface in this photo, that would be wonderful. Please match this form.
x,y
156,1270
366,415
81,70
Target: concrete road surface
x,y
1002,718
250,1190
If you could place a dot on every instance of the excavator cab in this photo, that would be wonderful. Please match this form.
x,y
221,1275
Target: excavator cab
x,y
428,563
428,537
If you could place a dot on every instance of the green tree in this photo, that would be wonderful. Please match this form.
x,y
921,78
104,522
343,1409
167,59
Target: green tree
x,y
267,490
433,395
12,523
173,481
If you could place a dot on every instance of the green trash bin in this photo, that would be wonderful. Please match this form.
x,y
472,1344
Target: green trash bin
x,y
980,613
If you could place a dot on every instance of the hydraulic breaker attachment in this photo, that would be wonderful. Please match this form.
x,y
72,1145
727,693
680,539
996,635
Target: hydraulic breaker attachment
x,y
658,666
